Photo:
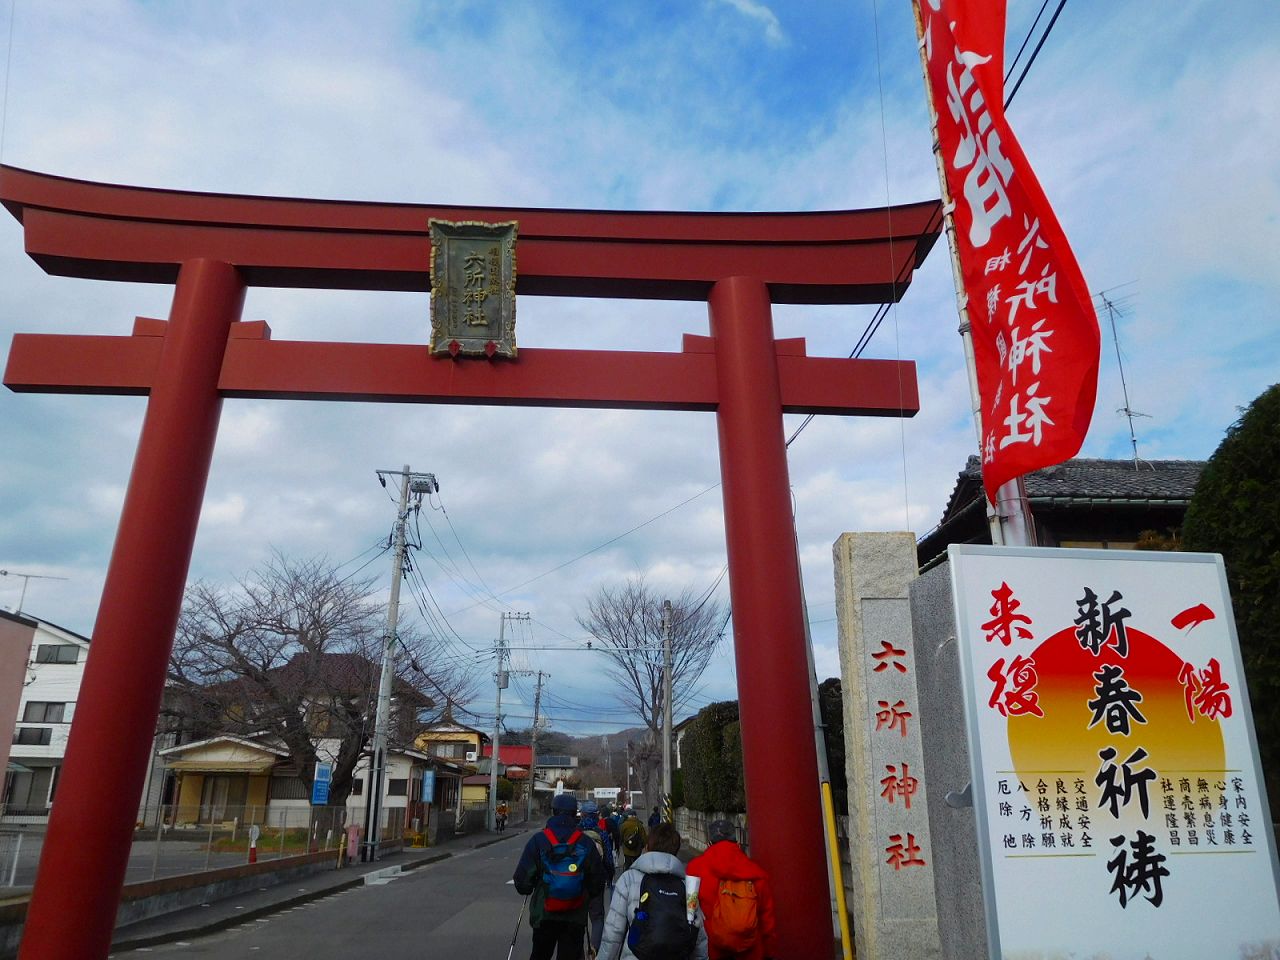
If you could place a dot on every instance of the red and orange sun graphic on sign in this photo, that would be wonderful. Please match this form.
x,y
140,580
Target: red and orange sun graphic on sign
x,y
1071,734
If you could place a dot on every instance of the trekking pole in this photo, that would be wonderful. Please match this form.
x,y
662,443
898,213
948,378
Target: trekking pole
x,y
516,932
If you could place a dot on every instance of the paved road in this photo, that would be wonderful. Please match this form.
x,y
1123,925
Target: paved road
x,y
462,908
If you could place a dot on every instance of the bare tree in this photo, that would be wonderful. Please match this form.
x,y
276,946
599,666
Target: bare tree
x,y
627,622
294,650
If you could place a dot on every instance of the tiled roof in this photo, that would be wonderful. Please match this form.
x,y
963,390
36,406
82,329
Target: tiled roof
x,y
1117,479
1094,479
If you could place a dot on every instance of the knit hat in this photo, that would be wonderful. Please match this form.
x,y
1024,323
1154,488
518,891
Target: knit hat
x,y
564,803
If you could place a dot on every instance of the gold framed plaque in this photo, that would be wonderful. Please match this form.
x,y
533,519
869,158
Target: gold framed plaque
x,y
473,289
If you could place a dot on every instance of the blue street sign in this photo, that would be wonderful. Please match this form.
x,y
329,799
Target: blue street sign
x,y
428,786
320,784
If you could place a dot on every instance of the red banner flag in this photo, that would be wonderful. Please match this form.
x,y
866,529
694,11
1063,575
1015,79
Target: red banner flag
x,y
1035,332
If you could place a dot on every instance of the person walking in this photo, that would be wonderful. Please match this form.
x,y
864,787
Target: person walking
x,y
736,899
593,829
648,914
634,838
560,871
655,818
613,820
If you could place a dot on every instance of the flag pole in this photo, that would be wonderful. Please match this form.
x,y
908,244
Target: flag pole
x,y
1009,518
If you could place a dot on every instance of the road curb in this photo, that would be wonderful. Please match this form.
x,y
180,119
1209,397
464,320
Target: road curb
x,y
125,946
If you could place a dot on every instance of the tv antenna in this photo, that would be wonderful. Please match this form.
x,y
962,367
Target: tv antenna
x,y
1127,410
26,578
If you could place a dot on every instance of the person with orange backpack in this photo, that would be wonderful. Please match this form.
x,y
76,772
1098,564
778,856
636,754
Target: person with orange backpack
x,y
735,897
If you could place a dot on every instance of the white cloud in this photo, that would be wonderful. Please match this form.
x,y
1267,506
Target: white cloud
x,y
1173,184
754,10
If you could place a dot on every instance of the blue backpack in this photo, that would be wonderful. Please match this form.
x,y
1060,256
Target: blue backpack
x,y
563,873
597,832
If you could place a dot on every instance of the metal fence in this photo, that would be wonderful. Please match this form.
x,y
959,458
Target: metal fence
x,y
178,839
10,851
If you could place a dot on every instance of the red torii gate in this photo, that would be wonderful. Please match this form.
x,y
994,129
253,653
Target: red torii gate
x,y
212,246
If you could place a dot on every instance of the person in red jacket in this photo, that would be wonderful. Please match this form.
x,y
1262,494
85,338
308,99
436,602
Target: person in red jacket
x,y
736,899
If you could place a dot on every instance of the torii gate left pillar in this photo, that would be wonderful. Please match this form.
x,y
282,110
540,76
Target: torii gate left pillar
x,y
213,246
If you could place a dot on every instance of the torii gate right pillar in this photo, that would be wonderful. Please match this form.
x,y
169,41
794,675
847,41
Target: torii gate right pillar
x,y
768,619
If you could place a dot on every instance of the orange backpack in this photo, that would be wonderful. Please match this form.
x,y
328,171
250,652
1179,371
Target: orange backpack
x,y
734,924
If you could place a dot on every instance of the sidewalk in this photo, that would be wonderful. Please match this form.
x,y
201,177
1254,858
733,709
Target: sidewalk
x,y
221,914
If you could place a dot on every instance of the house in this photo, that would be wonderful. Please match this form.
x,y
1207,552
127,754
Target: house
x,y
551,769
451,740
244,769
45,663
513,764
678,733
1105,504
16,632
251,779
511,753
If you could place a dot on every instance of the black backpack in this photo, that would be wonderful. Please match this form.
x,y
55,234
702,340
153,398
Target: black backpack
x,y
660,929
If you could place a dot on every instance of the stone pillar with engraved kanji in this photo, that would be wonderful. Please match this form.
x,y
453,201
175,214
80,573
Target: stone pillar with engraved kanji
x,y
892,889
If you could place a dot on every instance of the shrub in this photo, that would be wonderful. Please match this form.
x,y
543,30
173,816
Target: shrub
x,y
1236,512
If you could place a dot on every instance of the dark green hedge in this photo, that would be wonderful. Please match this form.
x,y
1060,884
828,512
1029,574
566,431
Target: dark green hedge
x,y
832,710
710,778
711,769
1236,512
677,788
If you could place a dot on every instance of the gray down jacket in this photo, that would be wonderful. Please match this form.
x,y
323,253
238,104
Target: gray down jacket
x,y
626,897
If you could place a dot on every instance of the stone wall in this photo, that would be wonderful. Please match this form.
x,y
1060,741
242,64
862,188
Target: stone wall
x,y
693,824
891,878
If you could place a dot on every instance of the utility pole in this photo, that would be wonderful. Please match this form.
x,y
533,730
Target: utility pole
x,y
533,746
502,678
666,707
501,683
420,483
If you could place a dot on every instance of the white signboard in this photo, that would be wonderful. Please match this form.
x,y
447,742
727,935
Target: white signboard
x,y
1118,795
606,793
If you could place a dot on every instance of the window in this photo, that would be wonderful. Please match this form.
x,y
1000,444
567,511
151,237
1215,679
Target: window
x,y
39,711
398,788
452,749
32,736
28,793
357,786
288,788
57,653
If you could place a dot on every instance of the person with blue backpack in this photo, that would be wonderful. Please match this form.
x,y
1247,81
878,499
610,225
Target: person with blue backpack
x,y
561,871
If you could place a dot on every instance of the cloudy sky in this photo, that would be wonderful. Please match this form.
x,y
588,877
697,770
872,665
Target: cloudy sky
x,y
1152,136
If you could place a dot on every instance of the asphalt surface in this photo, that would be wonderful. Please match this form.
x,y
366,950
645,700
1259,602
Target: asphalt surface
x,y
459,907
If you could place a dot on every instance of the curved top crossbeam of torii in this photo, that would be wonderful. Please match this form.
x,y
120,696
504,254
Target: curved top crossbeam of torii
x,y
212,246
108,232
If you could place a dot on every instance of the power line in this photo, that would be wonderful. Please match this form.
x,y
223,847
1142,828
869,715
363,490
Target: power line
x,y
1013,66
598,547
1027,69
